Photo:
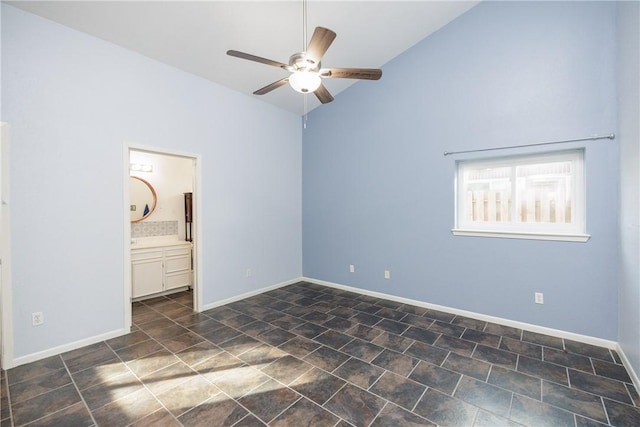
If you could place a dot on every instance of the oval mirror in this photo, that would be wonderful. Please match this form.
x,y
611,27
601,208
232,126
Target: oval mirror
x,y
143,198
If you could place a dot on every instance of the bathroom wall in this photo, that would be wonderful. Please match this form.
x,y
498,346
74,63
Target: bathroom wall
x,y
171,177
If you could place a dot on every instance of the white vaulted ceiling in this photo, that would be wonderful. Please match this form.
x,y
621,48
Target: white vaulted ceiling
x,y
194,36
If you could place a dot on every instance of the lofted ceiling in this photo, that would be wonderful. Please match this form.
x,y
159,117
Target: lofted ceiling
x,y
195,35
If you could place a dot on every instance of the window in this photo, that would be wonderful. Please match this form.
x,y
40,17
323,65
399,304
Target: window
x,y
537,196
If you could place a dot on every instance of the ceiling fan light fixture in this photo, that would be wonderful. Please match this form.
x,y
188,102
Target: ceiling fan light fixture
x,y
305,81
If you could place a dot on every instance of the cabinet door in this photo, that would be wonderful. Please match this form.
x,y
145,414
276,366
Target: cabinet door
x,y
177,280
177,272
146,277
177,264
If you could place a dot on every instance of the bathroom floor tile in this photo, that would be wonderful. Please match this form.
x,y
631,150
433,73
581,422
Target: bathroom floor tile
x,y
74,415
483,395
104,393
435,377
128,409
286,369
570,360
218,410
532,412
542,339
467,366
317,385
398,389
99,374
573,400
544,370
356,406
44,404
393,415
422,335
521,347
621,414
445,410
462,347
526,385
359,373
602,386
187,395
42,384
299,346
161,417
392,342
398,363
361,349
173,375
495,356
427,352
269,400
364,332
305,412
261,355
307,354
326,358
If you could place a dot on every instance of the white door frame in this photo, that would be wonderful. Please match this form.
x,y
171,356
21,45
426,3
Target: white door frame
x,y
197,189
6,300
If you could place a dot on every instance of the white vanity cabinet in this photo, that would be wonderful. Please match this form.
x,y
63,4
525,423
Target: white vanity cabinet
x,y
147,271
177,267
158,269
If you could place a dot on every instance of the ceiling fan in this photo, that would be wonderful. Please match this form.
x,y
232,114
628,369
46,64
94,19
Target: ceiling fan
x,y
305,68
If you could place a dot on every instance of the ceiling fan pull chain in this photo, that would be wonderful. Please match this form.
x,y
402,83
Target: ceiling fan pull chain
x,y
304,121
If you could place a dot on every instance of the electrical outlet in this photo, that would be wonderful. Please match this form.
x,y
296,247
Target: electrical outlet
x,y
539,298
37,318
387,274
247,272
352,268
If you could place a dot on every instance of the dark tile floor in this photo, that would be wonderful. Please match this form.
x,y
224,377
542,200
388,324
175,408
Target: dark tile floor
x,y
311,355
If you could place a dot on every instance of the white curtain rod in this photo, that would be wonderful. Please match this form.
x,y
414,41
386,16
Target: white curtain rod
x,y
589,138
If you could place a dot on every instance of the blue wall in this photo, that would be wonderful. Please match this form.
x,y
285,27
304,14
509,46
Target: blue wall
x,y
629,131
378,192
73,102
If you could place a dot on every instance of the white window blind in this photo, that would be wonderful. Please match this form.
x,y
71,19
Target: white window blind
x,y
533,196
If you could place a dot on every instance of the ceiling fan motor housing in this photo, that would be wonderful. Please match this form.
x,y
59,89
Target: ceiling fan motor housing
x,y
301,62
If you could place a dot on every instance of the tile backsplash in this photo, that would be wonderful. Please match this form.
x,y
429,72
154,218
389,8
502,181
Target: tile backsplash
x,y
154,228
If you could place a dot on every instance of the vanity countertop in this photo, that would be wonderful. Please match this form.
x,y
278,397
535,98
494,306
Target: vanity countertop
x,y
154,242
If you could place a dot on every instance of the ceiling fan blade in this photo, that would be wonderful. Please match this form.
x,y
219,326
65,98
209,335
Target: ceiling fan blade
x,y
272,86
351,73
323,94
254,58
320,42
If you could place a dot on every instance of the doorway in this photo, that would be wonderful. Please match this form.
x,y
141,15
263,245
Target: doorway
x,y
162,236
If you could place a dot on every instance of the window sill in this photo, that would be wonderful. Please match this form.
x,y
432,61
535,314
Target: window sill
x,y
522,235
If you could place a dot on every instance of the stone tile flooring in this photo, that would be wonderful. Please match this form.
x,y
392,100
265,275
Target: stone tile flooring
x,y
311,355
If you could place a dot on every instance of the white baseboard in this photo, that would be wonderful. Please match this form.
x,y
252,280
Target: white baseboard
x,y
12,363
498,320
613,345
64,348
250,294
627,364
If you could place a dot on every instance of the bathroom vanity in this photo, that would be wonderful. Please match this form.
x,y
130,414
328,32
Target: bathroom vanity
x,y
160,267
